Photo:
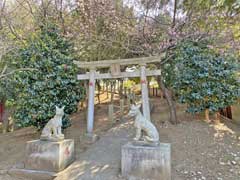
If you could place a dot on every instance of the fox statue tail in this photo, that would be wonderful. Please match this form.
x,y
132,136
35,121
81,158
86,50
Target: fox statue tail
x,y
150,139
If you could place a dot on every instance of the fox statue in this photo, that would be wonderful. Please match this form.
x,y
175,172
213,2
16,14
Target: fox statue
x,y
53,129
141,123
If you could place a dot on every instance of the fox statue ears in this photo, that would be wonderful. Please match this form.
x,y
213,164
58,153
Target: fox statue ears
x,y
133,106
57,108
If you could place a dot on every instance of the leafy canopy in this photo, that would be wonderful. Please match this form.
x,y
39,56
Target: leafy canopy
x,y
204,79
52,83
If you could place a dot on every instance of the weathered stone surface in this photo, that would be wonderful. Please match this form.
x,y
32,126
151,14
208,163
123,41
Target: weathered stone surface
x,y
145,162
53,129
32,174
49,156
143,124
115,69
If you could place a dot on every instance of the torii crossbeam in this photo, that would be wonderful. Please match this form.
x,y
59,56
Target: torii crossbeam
x,y
114,66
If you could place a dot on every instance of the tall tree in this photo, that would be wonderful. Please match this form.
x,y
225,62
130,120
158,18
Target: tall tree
x,y
54,81
203,79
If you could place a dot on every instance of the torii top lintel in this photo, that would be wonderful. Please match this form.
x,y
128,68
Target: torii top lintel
x,y
108,63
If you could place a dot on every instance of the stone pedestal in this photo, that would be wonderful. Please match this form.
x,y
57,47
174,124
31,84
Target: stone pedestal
x,y
49,156
145,162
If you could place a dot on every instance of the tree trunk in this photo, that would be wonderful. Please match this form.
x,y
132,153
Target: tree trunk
x,y
121,89
114,86
161,93
4,117
207,115
107,88
112,93
99,91
174,13
229,112
1,111
103,87
11,123
171,104
125,92
217,118
8,121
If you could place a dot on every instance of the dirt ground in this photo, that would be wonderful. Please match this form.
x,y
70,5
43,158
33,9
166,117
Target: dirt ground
x,y
200,150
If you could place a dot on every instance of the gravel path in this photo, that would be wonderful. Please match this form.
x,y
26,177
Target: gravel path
x,y
200,151
102,160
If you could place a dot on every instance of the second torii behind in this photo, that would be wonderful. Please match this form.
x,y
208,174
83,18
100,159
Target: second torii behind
x,y
114,66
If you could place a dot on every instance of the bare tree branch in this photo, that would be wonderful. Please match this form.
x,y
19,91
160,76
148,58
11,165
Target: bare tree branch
x,y
4,70
1,13
174,13
14,71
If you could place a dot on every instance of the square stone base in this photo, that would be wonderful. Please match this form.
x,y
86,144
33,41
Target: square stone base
x,y
49,156
145,162
31,174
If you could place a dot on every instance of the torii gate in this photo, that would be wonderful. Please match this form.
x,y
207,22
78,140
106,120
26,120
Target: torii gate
x,y
114,66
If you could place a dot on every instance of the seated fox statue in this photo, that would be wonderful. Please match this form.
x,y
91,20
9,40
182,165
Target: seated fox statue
x,y
142,124
53,129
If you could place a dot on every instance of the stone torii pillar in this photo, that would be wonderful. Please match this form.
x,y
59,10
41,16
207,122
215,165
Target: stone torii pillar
x,y
91,94
144,90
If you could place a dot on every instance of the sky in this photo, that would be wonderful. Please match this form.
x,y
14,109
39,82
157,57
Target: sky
x,y
139,10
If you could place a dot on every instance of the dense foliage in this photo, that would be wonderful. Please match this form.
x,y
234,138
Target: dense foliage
x,y
120,29
7,89
51,82
204,79
7,83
